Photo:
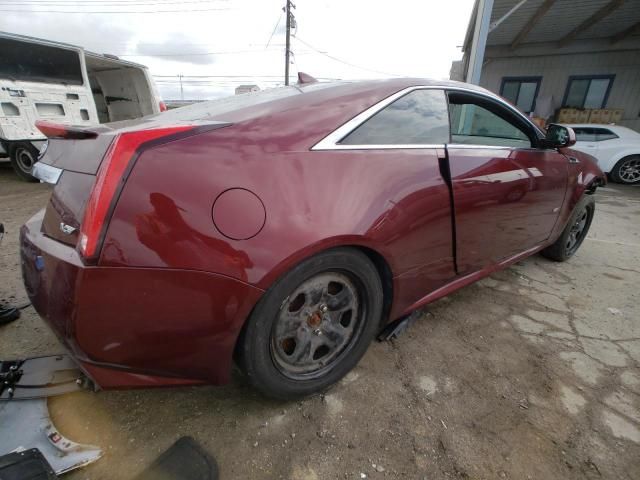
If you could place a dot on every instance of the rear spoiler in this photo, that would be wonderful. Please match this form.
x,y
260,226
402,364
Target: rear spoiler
x,y
58,130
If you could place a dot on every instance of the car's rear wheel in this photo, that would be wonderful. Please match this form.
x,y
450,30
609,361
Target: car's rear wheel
x,y
313,325
574,233
627,170
23,158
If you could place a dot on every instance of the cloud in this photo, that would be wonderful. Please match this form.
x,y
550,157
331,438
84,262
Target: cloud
x,y
173,48
411,39
88,31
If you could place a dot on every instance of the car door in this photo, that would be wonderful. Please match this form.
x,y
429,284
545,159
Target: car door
x,y
507,191
393,155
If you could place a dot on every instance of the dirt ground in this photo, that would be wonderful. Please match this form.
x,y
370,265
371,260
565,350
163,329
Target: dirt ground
x,y
533,373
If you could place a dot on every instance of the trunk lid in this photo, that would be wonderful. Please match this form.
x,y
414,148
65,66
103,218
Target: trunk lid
x,y
79,160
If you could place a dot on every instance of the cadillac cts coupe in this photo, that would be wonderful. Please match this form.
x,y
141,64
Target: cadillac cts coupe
x,y
285,228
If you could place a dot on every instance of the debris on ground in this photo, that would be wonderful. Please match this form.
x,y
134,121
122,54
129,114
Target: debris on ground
x,y
184,460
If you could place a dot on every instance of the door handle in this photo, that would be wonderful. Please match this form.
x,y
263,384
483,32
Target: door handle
x,y
573,160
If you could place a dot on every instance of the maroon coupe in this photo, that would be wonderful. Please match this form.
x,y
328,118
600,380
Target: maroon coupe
x,y
285,228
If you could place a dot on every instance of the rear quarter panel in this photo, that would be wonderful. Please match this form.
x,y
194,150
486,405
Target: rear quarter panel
x,y
394,202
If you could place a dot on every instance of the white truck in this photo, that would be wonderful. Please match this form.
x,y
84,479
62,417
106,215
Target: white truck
x,y
40,79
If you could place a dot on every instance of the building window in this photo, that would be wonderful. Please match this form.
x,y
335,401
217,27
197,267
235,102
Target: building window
x,y
521,91
589,91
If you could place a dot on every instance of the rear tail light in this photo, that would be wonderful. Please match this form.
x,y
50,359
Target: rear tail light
x,y
57,130
109,181
163,106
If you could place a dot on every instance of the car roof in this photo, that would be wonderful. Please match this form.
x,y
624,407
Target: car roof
x,y
270,99
333,96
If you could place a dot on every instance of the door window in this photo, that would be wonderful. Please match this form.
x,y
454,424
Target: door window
x,y
476,121
592,134
603,134
417,118
585,134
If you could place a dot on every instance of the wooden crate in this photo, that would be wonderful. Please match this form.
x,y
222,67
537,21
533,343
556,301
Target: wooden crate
x,y
583,115
616,115
600,115
573,115
567,115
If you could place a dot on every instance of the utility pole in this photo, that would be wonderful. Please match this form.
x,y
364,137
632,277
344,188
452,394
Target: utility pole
x,y
181,91
287,52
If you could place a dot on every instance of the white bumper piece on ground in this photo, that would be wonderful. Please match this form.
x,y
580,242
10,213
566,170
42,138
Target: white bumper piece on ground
x,y
24,416
25,424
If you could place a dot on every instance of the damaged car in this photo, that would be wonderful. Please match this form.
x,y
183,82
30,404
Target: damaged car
x,y
284,229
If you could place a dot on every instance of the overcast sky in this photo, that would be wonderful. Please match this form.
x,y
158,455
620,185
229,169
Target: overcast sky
x,y
231,41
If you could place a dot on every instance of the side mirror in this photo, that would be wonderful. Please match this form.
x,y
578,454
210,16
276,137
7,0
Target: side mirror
x,y
559,136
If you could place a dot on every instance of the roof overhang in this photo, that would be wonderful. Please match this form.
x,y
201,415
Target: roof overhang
x,y
565,25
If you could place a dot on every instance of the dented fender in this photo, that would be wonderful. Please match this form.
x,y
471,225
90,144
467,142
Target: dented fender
x,y
584,175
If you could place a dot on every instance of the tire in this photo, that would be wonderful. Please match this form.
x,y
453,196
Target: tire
x,y
627,170
574,232
313,325
23,156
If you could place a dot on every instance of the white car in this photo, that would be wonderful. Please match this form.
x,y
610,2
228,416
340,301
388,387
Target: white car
x,y
616,148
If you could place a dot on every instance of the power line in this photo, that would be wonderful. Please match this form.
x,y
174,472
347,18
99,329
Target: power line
x,y
106,3
102,2
344,61
85,12
274,31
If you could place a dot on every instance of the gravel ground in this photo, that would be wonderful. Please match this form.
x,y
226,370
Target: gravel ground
x,y
532,373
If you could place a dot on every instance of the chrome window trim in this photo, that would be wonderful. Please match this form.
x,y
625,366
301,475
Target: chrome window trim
x,y
46,173
331,141
466,146
415,146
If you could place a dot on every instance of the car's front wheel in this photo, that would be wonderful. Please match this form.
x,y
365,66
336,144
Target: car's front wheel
x,y
313,325
574,232
23,158
627,170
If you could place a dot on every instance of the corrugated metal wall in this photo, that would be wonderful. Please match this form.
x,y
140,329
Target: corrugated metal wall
x,y
555,71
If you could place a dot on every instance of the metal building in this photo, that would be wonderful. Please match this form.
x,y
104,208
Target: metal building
x,y
544,55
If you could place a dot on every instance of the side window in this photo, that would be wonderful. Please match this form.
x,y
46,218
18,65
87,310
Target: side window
x,y
475,122
417,118
585,134
603,134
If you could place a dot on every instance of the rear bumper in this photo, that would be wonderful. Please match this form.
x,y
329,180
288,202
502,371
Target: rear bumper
x,y
134,327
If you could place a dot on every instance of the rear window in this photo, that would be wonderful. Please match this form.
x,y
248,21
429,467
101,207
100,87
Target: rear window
x,y
604,134
418,118
39,63
224,105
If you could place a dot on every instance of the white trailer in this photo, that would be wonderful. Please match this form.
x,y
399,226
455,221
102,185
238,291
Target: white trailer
x,y
40,79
